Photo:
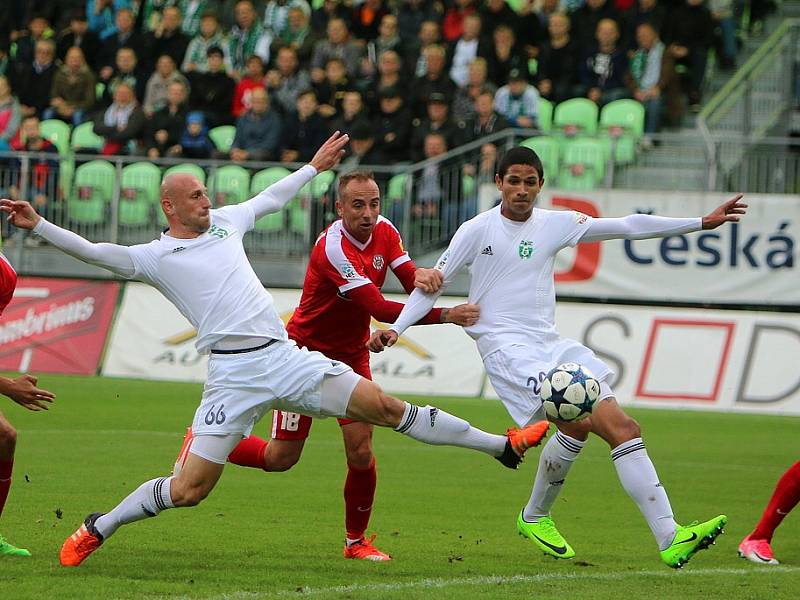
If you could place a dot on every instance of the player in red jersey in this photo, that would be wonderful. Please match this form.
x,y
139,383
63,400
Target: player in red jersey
x,y
341,294
24,392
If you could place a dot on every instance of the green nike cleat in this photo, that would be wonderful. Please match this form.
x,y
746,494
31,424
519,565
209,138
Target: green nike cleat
x,y
7,549
544,534
690,539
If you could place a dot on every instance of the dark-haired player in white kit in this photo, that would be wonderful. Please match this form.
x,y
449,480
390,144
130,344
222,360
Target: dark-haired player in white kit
x,y
510,251
200,265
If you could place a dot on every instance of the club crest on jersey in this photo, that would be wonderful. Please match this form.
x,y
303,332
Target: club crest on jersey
x,y
218,232
525,249
377,262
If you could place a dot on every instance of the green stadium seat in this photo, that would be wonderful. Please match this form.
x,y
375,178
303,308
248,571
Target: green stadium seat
x,y
83,137
57,132
189,169
547,150
545,115
622,123
229,185
260,181
575,117
91,195
396,189
139,194
583,164
222,137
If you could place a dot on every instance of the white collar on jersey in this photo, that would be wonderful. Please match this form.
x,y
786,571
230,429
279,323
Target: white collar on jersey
x,y
360,245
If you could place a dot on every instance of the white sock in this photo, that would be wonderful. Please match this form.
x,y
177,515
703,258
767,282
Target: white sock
x,y
434,426
146,501
554,463
639,478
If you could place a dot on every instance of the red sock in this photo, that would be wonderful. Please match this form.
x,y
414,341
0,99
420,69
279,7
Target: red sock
x,y
5,481
249,452
784,499
359,493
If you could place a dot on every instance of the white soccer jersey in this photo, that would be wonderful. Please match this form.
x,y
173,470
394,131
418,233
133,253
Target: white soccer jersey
x,y
511,269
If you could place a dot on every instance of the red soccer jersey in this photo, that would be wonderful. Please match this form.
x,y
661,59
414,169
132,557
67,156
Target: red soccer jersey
x,y
327,320
8,282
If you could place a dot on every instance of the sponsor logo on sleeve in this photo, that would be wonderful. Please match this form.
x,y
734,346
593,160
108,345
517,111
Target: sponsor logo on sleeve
x,y
580,218
348,271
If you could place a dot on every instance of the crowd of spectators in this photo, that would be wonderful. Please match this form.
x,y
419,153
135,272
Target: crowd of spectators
x,y
407,78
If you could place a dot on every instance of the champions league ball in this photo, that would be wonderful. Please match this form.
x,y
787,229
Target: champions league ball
x,y
569,392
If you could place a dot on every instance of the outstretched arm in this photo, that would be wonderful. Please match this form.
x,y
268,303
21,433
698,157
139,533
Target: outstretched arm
x,y
113,257
637,227
276,196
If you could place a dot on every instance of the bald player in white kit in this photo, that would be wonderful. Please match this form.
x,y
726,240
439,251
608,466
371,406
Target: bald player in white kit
x,y
200,265
510,251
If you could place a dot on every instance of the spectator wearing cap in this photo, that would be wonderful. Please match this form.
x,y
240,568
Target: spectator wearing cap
x,y
435,80
438,120
212,91
393,126
78,34
559,58
125,36
247,38
155,96
168,38
253,79
297,34
33,82
258,130
304,131
210,35
518,101
337,44
602,72
331,90
121,124
390,74
194,141
477,82
287,80
73,92
505,55
163,130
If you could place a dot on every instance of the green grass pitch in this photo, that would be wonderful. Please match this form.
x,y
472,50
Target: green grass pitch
x,y
446,515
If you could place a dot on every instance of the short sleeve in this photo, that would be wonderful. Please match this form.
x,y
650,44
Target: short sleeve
x,y
397,254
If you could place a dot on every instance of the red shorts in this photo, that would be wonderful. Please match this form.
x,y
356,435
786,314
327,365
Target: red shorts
x,y
293,426
8,283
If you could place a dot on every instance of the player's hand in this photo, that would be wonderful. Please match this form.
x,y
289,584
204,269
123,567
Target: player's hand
x,y
331,152
428,280
20,213
24,392
726,212
465,315
382,339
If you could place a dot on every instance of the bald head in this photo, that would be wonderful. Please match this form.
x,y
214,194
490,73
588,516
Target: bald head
x,y
185,203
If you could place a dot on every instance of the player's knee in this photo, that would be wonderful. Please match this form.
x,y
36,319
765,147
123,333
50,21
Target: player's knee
x,y
578,430
186,494
388,408
630,429
360,455
8,438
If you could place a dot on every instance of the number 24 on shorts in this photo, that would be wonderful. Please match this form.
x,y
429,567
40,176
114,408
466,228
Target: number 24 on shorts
x,y
212,417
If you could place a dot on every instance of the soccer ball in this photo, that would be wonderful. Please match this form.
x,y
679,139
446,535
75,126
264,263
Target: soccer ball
x,y
569,392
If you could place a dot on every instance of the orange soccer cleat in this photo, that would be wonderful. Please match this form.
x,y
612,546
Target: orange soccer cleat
x,y
82,543
519,440
364,550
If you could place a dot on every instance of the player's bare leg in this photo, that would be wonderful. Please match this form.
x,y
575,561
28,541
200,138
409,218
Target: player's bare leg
x,y
434,426
8,444
196,479
359,492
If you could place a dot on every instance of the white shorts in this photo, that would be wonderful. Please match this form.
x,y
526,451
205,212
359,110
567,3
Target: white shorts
x,y
242,388
516,372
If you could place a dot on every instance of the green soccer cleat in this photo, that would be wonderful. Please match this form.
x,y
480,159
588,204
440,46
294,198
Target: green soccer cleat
x,y
690,539
544,534
7,549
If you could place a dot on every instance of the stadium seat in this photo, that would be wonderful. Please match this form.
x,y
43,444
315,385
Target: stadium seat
x,y
264,179
84,138
139,194
229,185
57,132
547,150
583,164
545,115
396,190
575,117
91,193
222,137
188,168
622,122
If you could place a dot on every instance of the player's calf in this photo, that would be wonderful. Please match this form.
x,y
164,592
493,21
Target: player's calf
x,y
8,439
